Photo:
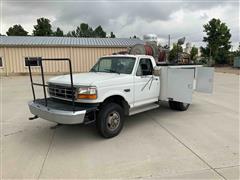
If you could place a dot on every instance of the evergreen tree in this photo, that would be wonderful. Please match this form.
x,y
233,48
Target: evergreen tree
x,y
43,27
58,32
16,30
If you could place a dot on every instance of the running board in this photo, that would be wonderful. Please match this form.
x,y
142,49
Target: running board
x,y
143,108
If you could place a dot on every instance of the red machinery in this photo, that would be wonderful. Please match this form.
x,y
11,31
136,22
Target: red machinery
x,y
150,48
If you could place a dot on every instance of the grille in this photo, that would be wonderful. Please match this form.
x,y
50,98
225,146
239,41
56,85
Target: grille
x,y
59,91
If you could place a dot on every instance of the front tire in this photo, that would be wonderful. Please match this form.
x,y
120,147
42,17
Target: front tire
x,y
179,106
110,120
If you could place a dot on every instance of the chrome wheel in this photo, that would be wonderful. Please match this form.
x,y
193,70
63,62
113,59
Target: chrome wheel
x,y
113,121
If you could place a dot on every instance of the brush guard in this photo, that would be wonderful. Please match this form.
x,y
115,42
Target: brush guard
x,y
61,112
33,61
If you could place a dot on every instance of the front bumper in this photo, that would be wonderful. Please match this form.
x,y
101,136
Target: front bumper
x,y
57,112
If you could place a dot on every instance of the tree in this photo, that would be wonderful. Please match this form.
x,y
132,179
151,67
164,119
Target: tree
x,y
43,27
71,34
194,53
218,41
58,32
83,30
99,32
173,53
112,35
16,30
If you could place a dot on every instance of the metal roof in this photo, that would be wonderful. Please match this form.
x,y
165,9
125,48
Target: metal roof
x,y
67,41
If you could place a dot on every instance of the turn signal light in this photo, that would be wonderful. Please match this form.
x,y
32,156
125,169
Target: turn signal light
x,y
87,96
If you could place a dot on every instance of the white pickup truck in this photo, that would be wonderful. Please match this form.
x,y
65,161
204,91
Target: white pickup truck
x,y
118,86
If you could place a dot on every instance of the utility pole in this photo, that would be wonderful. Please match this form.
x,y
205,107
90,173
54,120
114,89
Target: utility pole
x,y
210,56
169,41
177,53
168,51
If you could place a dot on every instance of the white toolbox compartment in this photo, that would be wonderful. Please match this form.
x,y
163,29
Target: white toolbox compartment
x,y
179,82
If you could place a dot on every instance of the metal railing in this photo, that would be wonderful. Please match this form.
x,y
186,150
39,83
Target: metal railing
x,y
38,61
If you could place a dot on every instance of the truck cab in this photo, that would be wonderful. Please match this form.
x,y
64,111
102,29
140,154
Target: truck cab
x,y
118,86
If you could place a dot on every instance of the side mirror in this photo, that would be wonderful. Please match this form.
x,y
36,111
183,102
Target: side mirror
x,y
156,71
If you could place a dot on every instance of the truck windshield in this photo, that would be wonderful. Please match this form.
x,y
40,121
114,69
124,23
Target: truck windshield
x,y
120,65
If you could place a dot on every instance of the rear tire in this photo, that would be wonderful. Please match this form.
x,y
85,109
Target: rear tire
x,y
179,106
110,120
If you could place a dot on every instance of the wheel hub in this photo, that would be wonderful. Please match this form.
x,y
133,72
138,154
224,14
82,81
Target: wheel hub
x,y
113,120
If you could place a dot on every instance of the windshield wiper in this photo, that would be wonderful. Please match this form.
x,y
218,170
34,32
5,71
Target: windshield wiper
x,y
112,71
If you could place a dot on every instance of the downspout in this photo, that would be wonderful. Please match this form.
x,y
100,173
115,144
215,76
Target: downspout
x,y
5,61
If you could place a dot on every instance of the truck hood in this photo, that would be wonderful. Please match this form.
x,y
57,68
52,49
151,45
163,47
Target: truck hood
x,y
86,79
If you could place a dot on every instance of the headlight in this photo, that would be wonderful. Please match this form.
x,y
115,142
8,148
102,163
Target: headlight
x,y
87,93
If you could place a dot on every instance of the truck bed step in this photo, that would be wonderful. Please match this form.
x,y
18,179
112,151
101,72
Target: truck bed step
x,y
143,108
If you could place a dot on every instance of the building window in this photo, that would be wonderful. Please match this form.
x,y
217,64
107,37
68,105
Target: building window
x,y
1,62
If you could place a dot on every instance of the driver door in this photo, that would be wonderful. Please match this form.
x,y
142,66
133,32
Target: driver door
x,y
146,85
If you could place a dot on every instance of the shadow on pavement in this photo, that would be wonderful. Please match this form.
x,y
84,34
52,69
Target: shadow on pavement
x,y
70,134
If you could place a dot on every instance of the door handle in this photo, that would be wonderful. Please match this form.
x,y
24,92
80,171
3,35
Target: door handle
x,y
127,90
